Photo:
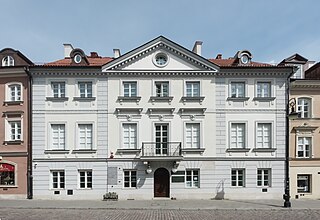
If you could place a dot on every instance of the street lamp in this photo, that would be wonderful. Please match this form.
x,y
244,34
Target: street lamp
x,y
290,114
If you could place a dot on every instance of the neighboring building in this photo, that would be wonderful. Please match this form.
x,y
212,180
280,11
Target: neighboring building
x,y
182,126
70,145
300,63
14,135
305,137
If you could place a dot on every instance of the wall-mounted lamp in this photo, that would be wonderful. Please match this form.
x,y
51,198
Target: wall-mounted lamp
x,y
149,169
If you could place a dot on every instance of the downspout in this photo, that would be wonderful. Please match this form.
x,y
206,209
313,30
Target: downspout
x,y
29,124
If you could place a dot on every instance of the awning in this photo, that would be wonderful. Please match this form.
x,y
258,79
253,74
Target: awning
x,y
4,167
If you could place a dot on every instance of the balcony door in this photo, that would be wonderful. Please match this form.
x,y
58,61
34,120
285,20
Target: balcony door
x,y
162,137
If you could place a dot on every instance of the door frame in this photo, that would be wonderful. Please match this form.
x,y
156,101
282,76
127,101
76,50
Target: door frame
x,y
168,183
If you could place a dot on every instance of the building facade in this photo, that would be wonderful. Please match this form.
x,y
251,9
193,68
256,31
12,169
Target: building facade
x,y
15,118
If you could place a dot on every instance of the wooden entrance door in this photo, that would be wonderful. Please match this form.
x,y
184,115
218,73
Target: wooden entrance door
x,y
161,183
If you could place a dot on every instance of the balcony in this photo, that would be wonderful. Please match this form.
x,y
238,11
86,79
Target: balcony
x,y
159,151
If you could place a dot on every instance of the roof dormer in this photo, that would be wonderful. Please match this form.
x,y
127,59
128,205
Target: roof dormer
x,y
243,57
78,57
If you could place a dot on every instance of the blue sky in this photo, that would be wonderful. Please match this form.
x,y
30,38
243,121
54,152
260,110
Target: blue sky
x,y
272,30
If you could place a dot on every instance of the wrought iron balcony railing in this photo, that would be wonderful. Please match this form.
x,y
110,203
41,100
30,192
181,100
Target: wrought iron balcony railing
x,y
161,149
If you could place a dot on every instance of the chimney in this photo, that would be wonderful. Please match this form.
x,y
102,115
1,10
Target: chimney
x,y
219,56
116,53
197,47
67,50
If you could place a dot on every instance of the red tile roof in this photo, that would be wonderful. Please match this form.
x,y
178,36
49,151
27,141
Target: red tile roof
x,y
231,62
97,61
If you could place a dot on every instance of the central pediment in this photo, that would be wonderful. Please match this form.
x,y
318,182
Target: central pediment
x,y
160,54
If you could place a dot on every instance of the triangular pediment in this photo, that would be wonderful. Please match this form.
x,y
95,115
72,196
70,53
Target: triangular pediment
x,y
173,58
295,59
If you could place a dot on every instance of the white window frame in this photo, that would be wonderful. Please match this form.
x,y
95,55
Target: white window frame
x,y
60,94
8,128
92,136
309,180
192,83
86,179
237,83
263,135
304,147
86,92
238,141
130,181
123,136
8,92
193,183
59,134
263,93
237,175
161,83
193,144
59,182
264,177
7,61
130,84
300,107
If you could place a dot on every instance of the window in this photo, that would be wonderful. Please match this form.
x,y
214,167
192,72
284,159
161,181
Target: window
x,y
15,130
129,136
304,147
193,89
58,136
85,136
130,89
77,58
85,179
162,89
58,179
14,92
7,174
161,59
192,135
304,107
263,89
238,177
304,183
85,89
264,135
178,177
264,177
8,61
192,178
130,178
237,89
237,138
58,89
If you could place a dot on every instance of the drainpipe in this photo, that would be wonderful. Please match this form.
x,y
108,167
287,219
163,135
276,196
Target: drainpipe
x,y
29,124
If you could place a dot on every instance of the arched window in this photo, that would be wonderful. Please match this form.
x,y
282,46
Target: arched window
x,y
8,61
304,107
7,174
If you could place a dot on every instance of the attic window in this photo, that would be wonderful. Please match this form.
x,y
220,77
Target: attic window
x,y
245,59
160,59
77,58
8,61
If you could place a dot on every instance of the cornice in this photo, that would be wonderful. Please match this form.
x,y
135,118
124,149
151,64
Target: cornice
x,y
160,73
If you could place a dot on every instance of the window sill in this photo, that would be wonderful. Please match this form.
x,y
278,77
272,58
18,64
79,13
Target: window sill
x,y
13,103
56,151
13,142
57,99
84,151
238,99
193,150
161,99
8,186
84,99
129,151
264,149
264,99
129,99
193,99
238,150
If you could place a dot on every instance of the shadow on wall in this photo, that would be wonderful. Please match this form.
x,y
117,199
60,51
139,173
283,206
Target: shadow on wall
x,y
220,190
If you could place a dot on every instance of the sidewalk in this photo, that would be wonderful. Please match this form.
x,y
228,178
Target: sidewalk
x,y
158,204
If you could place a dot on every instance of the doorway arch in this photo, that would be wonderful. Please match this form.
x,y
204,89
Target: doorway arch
x,y
161,183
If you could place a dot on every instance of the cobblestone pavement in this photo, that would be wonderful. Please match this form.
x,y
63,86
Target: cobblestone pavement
x,y
88,214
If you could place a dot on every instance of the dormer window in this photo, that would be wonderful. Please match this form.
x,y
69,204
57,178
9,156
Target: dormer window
x,y
245,59
77,58
8,61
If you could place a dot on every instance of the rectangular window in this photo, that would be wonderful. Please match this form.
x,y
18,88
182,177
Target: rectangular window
x,y
237,89
193,89
15,130
58,136
15,92
192,135
237,138
85,136
304,183
178,177
130,89
238,177
264,135
58,179
304,147
7,174
264,177
85,179
162,89
85,89
58,89
263,89
304,107
192,178
130,178
129,136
